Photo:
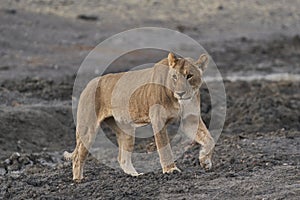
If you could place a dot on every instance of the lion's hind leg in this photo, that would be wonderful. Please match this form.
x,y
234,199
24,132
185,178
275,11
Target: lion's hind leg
x,y
84,140
126,140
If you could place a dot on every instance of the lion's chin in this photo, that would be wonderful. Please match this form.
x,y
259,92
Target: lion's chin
x,y
183,100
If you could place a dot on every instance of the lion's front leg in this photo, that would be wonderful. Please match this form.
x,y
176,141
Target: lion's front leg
x,y
158,118
204,138
196,130
164,150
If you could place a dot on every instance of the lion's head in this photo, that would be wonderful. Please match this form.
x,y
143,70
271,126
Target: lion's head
x,y
185,75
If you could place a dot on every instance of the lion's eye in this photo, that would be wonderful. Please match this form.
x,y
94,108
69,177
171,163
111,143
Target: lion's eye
x,y
174,77
189,76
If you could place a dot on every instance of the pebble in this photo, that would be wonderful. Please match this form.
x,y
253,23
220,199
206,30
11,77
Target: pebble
x,y
2,171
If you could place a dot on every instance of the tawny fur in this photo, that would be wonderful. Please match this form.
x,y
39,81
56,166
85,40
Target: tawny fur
x,y
171,92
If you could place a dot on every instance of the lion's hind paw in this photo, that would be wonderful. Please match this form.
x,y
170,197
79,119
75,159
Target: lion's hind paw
x,y
206,163
68,156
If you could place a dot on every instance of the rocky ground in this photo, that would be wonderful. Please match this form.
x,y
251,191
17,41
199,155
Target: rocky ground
x,y
256,157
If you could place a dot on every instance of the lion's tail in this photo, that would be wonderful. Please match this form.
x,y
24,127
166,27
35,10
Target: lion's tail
x,y
68,156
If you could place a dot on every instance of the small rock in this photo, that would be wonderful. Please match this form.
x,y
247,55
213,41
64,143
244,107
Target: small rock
x,y
7,161
55,66
2,171
14,156
15,174
87,17
15,104
5,67
24,160
296,39
181,28
230,175
10,11
244,39
220,7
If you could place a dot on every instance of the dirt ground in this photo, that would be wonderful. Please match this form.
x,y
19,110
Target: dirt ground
x,y
258,154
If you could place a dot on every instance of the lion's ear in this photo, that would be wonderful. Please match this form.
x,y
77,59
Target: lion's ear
x,y
202,62
172,60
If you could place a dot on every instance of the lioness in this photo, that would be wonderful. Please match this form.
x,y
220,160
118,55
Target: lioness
x,y
172,92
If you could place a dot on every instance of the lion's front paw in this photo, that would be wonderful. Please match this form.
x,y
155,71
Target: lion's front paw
x,y
77,180
205,163
130,170
170,169
136,174
205,159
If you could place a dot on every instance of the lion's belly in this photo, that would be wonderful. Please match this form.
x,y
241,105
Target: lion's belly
x,y
133,122
140,124
139,121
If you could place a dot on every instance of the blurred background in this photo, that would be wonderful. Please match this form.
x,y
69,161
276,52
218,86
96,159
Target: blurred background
x,y
255,44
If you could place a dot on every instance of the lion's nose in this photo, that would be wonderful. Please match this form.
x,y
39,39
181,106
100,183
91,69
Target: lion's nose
x,y
180,94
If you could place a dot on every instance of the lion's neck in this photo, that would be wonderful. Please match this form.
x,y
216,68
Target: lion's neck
x,y
190,107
